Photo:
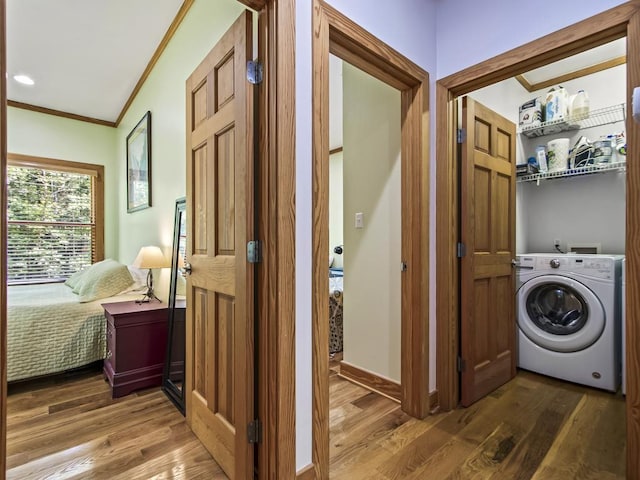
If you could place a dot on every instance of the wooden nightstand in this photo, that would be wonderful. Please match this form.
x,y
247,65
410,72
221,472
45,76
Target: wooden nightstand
x,y
136,345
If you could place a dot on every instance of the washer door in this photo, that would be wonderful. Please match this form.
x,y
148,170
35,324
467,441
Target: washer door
x,y
559,313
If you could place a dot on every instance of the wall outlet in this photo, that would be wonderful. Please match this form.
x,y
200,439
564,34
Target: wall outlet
x,y
556,242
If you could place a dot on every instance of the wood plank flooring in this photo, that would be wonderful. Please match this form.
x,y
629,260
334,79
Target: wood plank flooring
x,y
532,428
74,430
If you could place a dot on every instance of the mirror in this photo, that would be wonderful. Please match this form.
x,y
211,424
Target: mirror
x,y
174,373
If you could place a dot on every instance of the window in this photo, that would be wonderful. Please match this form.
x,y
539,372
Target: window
x,y
55,218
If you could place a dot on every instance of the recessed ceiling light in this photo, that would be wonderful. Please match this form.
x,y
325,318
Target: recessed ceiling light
x,y
25,80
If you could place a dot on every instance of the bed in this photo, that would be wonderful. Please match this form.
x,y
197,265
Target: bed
x,y
336,295
50,330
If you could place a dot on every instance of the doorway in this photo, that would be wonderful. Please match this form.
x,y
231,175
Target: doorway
x,y
364,255
595,31
337,35
576,208
365,228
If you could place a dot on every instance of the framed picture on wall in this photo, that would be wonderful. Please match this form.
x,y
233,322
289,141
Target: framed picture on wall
x,y
139,165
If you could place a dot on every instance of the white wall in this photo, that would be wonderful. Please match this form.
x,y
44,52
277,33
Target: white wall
x,y
336,207
504,98
164,95
372,254
589,209
41,135
304,377
470,32
409,27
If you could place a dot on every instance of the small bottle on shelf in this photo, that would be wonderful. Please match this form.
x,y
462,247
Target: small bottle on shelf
x,y
621,144
541,158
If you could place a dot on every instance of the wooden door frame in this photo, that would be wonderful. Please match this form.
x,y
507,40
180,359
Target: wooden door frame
x,y
334,33
275,183
617,22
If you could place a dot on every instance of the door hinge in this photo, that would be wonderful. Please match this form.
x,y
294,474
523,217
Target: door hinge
x,y
461,135
461,250
254,254
254,72
254,431
461,364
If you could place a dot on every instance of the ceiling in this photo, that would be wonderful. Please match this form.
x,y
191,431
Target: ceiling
x,y
85,56
581,63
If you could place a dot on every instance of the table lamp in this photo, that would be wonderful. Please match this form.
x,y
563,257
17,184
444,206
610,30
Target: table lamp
x,y
150,257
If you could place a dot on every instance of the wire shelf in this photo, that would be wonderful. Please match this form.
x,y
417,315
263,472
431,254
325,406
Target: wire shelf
x,y
574,172
595,118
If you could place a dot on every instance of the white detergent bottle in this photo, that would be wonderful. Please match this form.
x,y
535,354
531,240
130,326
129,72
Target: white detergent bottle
x,y
580,105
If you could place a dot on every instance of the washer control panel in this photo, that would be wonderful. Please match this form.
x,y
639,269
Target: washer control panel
x,y
596,266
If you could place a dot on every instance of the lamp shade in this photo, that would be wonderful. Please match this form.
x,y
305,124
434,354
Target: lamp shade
x,y
151,257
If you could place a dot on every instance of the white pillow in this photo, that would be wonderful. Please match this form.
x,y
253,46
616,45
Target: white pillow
x,y
139,284
101,280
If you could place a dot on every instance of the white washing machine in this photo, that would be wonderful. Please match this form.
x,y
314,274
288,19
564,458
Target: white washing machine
x,y
569,317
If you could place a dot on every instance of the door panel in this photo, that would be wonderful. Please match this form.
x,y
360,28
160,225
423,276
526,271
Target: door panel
x,y
504,307
503,213
482,190
488,232
199,201
482,309
220,193
225,180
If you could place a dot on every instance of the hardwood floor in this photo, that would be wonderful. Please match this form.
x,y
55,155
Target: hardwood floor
x,y
532,428
74,430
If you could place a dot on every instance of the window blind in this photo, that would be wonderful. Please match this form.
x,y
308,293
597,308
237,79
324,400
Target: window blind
x,y
51,228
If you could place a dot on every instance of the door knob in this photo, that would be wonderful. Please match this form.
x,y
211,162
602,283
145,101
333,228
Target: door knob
x,y
186,270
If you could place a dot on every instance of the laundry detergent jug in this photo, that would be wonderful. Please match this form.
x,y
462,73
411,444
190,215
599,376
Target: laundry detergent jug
x,y
579,105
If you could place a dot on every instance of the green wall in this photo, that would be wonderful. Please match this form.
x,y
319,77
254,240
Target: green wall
x,y
40,135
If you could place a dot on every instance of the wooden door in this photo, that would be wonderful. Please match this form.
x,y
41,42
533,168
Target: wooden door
x,y
487,278
220,299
